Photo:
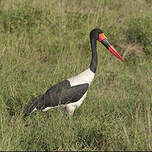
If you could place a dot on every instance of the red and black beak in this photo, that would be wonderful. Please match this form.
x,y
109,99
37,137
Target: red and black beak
x,y
106,43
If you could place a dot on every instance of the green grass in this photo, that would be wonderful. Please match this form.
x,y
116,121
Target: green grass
x,y
46,41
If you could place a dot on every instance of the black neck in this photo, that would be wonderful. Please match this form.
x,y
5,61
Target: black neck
x,y
94,60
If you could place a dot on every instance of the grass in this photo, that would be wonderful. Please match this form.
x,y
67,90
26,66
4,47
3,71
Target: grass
x,y
45,42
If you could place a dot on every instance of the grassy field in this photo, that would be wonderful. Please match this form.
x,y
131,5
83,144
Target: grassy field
x,y
43,42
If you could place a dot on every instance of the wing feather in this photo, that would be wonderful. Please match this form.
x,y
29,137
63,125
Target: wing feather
x,y
59,94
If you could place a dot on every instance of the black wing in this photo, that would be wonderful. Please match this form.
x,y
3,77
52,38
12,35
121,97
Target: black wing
x,y
59,94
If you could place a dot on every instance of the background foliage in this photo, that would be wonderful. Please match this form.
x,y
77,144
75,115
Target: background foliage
x,y
46,41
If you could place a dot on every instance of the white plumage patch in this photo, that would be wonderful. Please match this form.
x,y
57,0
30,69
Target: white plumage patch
x,y
84,77
34,110
46,109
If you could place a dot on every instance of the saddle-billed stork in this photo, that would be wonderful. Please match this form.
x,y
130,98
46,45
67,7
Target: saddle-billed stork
x,y
70,93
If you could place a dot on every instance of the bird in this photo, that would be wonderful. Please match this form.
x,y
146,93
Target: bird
x,y
70,93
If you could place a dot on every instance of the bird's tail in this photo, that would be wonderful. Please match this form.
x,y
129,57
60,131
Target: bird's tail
x,y
31,106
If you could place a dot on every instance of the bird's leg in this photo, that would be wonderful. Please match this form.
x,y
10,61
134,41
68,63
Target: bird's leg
x,y
70,109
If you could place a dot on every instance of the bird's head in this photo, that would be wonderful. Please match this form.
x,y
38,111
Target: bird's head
x,y
98,34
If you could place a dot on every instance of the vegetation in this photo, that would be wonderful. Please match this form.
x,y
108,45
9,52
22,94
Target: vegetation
x,y
43,42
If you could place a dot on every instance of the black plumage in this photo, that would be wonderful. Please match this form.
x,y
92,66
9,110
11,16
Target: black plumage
x,y
59,94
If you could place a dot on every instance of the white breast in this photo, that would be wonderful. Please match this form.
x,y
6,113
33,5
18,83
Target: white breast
x,y
84,77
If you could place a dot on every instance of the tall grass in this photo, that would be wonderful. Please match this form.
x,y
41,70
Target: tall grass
x,y
46,41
